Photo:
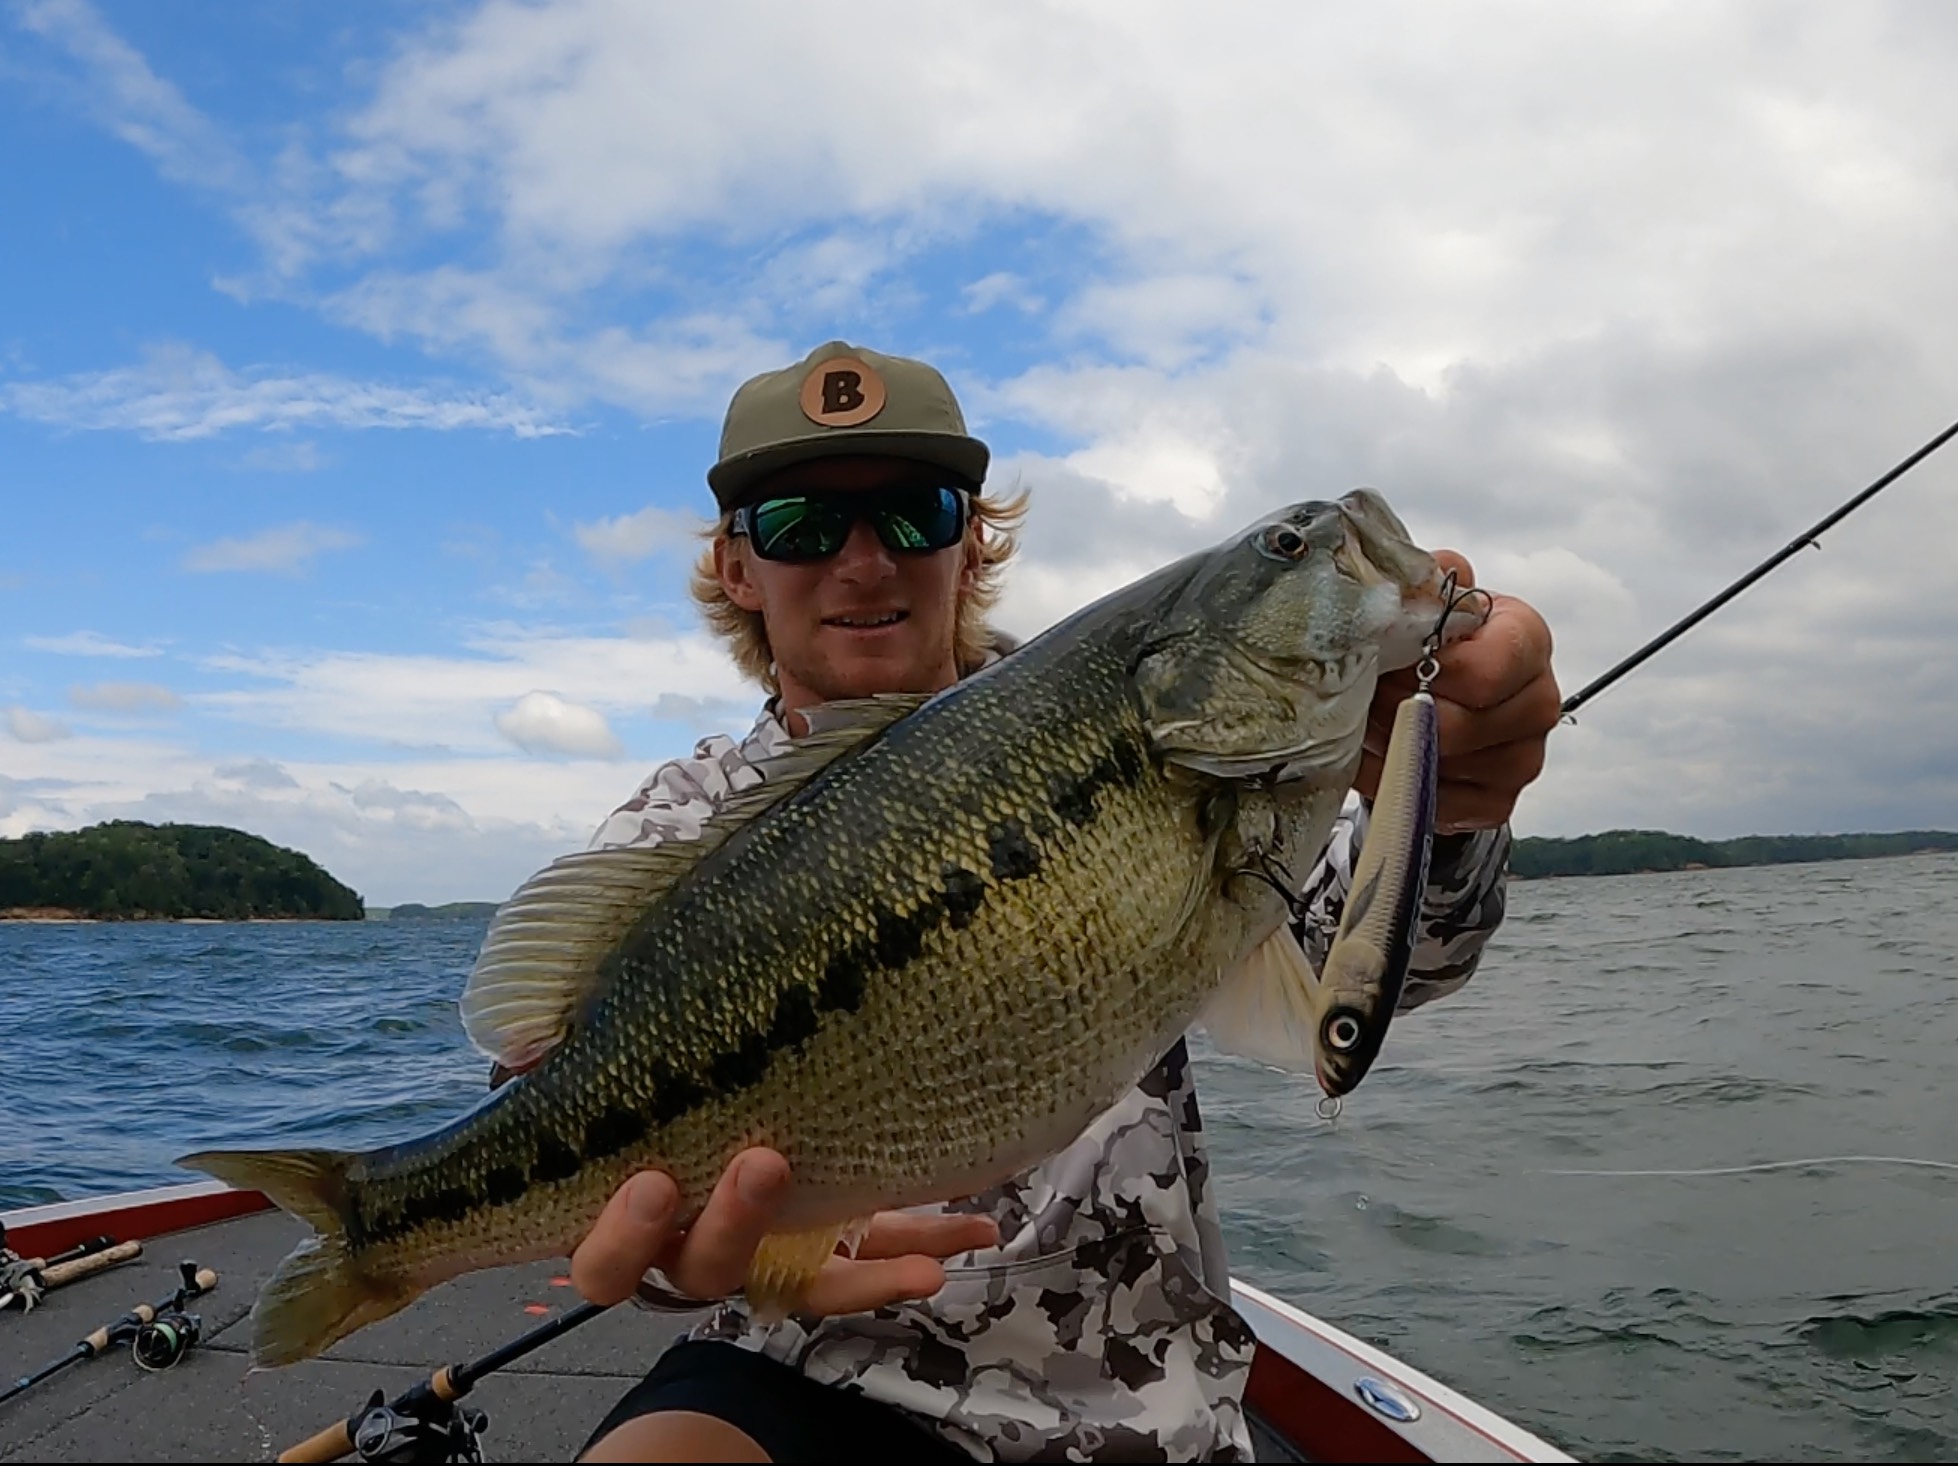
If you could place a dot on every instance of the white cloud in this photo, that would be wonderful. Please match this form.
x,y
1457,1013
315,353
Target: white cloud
x,y
125,697
28,726
177,394
285,548
543,722
88,644
1001,287
629,538
413,809
256,773
451,703
138,106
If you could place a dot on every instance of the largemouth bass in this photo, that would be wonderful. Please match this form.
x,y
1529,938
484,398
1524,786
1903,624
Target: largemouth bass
x,y
939,939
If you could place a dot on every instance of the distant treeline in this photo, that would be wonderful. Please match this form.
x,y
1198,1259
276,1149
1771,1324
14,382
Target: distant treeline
x,y
127,870
448,911
1626,852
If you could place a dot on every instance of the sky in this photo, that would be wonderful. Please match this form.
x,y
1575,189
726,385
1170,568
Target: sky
x,y
360,366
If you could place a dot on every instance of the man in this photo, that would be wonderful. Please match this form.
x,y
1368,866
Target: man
x,y
1081,1310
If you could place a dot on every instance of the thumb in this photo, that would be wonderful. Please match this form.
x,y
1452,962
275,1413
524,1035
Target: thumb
x,y
1456,561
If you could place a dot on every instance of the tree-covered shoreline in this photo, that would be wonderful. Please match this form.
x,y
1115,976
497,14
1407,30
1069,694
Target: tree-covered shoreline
x,y
1638,852
127,870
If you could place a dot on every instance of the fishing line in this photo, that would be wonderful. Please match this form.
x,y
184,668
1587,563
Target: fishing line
x,y
1821,1160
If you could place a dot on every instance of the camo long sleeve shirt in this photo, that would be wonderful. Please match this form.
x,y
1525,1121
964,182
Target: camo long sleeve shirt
x,y
1101,1327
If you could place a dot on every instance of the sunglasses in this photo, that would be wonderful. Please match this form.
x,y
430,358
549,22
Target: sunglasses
x,y
799,528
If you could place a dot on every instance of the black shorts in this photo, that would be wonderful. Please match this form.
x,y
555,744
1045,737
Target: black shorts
x,y
787,1414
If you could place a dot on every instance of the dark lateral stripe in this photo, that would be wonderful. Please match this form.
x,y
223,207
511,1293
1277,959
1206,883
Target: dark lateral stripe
x,y
897,939
613,1131
963,895
674,1094
901,938
504,1185
795,1017
555,1161
842,987
740,1068
450,1204
1012,852
1075,797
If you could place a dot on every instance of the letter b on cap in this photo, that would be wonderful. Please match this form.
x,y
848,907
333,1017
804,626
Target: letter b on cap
x,y
842,392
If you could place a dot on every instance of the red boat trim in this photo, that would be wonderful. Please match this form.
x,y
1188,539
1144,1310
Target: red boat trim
x,y
1324,1424
128,1216
1511,1441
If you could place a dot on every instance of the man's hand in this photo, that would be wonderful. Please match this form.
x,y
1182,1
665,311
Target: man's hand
x,y
898,1259
1497,702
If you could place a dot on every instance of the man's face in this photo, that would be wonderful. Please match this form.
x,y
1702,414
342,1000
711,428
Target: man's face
x,y
865,620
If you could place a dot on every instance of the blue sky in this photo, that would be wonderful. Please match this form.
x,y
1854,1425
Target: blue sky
x,y
359,367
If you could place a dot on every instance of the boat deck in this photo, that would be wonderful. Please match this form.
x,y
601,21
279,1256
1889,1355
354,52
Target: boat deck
x,y
210,1407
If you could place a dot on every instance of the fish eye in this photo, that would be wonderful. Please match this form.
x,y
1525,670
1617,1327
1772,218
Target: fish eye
x,y
1282,542
1343,1033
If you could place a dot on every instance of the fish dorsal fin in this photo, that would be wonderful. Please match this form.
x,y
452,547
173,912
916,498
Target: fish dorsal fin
x,y
542,959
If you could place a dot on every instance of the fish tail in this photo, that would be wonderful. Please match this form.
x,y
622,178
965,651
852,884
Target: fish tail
x,y
320,1292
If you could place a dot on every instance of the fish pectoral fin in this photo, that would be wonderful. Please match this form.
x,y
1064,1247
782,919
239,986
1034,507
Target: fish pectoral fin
x,y
786,1265
543,959
1268,1009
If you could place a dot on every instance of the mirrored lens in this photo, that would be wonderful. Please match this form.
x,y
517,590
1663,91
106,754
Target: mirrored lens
x,y
812,527
919,519
799,528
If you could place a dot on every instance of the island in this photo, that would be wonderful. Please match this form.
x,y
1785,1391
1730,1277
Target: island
x,y
448,911
126,870
1637,852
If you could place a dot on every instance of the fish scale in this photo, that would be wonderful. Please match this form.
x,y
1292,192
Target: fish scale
x,y
939,940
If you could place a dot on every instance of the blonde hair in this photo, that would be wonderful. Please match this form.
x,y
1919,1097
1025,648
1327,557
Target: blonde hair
x,y
994,521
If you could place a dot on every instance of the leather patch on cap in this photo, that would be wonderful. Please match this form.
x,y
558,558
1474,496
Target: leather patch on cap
x,y
842,392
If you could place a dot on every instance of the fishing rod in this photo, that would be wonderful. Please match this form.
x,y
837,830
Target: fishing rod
x,y
24,1280
159,1333
29,1281
1808,539
423,1424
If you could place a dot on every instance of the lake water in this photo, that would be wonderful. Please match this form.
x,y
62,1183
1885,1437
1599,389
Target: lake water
x,y
1781,1042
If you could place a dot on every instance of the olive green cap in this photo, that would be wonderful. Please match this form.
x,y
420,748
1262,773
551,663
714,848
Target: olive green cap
x,y
842,399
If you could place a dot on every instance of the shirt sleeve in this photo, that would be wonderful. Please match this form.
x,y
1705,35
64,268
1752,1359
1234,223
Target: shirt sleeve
x,y
674,801
1468,880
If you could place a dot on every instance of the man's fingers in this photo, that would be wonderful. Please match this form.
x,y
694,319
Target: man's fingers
x,y
1503,656
1460,808
899,1234
714,1259
627,1239
1530,714
1456,561
1507,769
857,1287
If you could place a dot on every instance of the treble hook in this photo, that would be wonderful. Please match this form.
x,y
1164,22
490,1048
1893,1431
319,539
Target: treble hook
x,y
1452,599
1268,870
